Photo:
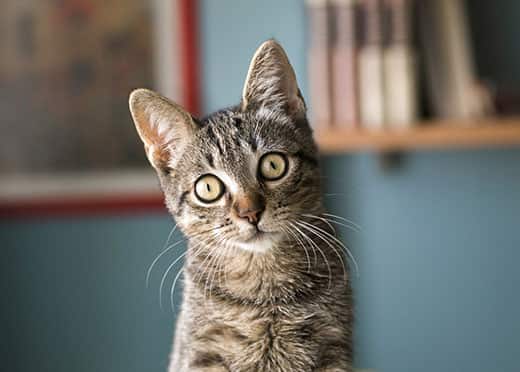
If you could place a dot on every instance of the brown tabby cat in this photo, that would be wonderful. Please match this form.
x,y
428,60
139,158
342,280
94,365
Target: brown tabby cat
x,y
266,287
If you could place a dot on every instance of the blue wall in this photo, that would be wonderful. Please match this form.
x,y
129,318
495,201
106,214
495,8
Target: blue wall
x,y
233,29
438,255
438,252
75,298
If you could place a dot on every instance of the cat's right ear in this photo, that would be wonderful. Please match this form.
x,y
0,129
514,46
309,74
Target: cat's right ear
x,y
164,127
271,82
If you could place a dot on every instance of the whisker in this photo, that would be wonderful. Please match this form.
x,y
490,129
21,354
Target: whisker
x,y
228,249
197,248
319,250
202,264
211,271
313,250
322,219
360,229
328,221
172,291
324,239
218,265
166,274
296,234
287,230
340,244
165,249
207,262
154,262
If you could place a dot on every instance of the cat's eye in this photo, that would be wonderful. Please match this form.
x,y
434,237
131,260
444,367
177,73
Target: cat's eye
x,y
208,188
273,166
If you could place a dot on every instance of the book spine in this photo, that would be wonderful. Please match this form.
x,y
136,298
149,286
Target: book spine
x,y
399,66
371,81
344,65
167,49
188,14
463,68
450,69
176,55
319,63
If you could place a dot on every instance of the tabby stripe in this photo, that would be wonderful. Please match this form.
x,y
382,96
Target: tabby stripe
x,y
182,200
253,142
309,159
209,158
206,359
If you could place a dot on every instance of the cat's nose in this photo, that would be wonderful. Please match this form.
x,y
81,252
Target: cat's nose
x,y
250,208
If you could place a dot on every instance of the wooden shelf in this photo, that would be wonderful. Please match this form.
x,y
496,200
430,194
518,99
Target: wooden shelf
x,y
427,135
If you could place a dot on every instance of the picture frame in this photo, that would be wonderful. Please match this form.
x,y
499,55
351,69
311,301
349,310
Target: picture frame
x,y
76,61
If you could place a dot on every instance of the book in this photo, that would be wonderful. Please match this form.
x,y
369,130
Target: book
x,y
344,64
176,52
167,49
450,69
319,63
371,80
400,82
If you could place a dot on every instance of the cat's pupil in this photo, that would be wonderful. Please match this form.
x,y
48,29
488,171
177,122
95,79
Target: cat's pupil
x,y
273,165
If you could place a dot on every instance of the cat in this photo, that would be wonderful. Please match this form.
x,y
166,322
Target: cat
x,y
266,285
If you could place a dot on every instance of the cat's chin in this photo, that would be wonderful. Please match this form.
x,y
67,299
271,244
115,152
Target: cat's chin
x,y
260,243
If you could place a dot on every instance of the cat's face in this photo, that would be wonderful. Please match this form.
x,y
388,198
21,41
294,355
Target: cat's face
x,y
239,177
244,176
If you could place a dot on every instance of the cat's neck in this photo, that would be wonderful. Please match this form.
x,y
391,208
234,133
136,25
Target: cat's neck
x,y
284,273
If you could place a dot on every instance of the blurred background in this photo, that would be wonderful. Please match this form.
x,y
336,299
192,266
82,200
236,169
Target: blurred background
x,y
413,106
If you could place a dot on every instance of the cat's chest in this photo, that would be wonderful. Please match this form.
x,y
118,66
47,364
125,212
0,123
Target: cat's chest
x,y
261,340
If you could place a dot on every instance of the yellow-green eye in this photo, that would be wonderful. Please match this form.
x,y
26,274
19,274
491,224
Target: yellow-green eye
x,y
273,166
209,188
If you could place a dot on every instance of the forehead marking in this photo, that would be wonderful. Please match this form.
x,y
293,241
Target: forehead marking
x,y
209,158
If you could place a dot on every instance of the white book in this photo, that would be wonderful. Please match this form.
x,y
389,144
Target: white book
x,y
399,66
371,87
371,68
400,86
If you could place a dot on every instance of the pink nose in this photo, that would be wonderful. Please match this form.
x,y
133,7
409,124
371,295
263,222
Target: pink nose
x,y
253,216
250,208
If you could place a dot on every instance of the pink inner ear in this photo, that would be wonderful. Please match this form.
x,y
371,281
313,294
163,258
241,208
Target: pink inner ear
x,y
155,141
295,105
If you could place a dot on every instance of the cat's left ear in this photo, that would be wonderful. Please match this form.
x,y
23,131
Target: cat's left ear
x,y
271,82
164,127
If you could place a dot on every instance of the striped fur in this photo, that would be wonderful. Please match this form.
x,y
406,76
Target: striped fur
x,y
283,305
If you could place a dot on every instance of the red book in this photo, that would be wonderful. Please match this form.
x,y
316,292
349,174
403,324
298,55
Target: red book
x,y
344,64
320,63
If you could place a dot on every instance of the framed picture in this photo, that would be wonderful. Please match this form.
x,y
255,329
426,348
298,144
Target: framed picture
x,y
68,143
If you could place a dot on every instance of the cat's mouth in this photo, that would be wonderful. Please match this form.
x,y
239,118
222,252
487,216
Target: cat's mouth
x,y
259,241
256,236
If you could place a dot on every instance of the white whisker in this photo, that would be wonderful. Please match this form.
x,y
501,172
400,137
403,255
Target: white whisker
x,y
172,291
165,249
300,243
340,244
166,274
319,250
324,239
352,223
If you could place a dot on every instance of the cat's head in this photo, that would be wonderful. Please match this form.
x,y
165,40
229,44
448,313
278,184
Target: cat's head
x,y
240,176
